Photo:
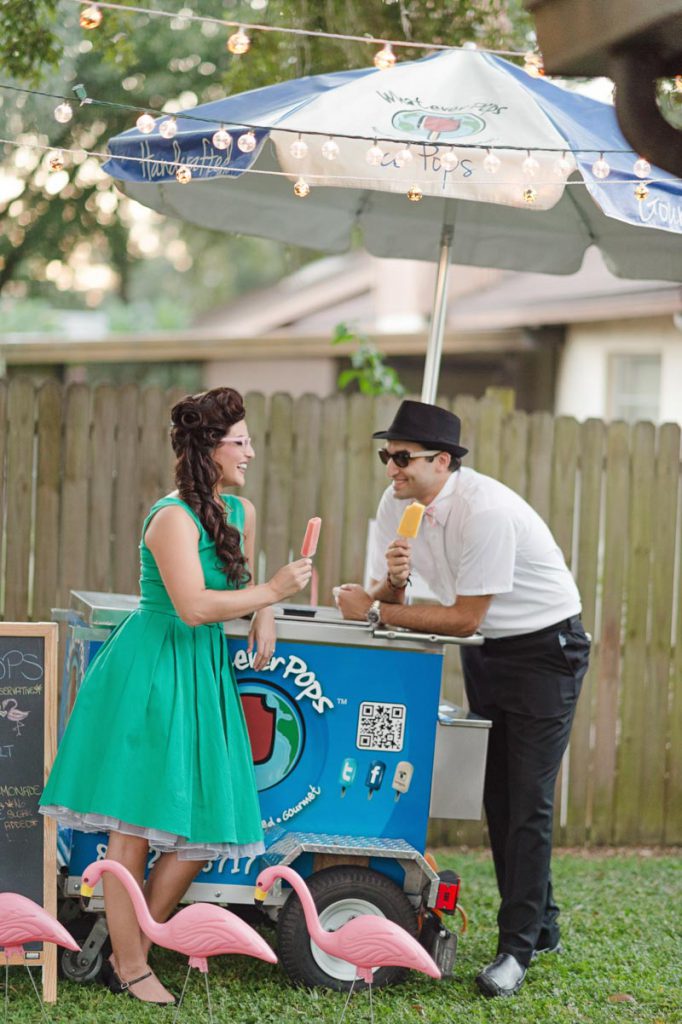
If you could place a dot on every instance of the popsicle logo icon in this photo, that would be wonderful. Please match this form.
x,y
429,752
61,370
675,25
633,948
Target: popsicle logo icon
x,y
276,731
437,127
402,778
375,776
348,772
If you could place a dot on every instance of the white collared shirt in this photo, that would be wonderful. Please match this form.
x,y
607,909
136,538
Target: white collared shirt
x,y
479,537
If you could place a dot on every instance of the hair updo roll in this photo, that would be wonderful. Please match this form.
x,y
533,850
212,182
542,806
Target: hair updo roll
x,y
198,424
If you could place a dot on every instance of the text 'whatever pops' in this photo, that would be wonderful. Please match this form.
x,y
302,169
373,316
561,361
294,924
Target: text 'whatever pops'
x,y
411,520
312,535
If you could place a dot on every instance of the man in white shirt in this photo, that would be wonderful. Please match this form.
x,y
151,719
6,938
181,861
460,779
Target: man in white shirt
x,y
493,564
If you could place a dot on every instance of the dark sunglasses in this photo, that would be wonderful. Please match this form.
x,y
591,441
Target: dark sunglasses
x,y
402,458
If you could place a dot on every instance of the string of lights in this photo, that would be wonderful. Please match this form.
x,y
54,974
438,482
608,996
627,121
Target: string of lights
x,y
64,113
91,18
302,187
401,154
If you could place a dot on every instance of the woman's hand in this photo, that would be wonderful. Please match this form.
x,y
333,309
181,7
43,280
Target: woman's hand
x,y
398,560
263,635
291,578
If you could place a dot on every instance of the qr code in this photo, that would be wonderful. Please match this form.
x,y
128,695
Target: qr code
x,y
381,726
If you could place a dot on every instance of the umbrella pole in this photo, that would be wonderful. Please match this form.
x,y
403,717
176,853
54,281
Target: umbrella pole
x,y
434,347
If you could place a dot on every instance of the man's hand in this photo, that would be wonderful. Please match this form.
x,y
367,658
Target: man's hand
x,y
263,635
398,560
353,602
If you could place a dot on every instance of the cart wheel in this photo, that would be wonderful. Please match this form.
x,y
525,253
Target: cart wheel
x,y
340,894
72,969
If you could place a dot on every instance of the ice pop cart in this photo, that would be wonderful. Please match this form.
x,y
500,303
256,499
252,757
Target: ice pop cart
x,y
345,727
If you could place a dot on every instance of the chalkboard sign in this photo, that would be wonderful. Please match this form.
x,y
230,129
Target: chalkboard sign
x,y
28,705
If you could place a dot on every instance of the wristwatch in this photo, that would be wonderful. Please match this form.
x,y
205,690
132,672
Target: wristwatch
x,y
374,613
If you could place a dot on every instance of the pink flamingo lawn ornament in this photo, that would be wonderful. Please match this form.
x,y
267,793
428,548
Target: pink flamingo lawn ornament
x,y
199,931
21,921
365,941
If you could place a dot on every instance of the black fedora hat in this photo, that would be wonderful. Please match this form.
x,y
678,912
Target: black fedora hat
x,y
426,424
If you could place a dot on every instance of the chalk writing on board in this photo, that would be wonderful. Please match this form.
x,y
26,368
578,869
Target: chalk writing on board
x,y
16,665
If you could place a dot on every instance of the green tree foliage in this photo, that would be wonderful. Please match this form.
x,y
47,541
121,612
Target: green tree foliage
x,y
47,233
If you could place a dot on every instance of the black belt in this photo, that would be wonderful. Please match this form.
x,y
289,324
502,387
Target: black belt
x,y
569,623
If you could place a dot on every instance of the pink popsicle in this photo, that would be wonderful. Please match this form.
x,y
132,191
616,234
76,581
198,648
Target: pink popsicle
x,y
312,535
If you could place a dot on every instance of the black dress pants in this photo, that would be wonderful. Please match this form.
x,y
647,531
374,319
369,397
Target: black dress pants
x,y
528,686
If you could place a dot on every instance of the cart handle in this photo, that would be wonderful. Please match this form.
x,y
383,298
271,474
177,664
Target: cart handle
x,y
475,640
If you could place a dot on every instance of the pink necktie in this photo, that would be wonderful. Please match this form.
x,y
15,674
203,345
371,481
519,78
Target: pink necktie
x,y
430,516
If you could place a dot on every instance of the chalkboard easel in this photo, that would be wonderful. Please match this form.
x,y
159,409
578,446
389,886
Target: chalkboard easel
x,y
28,743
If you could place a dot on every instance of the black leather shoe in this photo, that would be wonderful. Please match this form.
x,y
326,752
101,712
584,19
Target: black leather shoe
x,y
503,977
548,942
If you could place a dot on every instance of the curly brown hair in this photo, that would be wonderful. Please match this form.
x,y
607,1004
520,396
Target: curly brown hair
x,y
198,424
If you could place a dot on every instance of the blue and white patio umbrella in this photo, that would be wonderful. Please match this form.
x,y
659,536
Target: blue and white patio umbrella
x,y
503,163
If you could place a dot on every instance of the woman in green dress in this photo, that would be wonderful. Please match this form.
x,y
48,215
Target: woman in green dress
x,y
156,750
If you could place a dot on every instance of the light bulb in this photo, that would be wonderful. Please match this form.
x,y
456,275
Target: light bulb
x,y
374,155
532,64
642,168
63,113
385,58
529,195
530,166
641,191
414,194
90,17
183,174
57,160
491,163
403,156
247,142
301,188
145,124
221,139
330,149
562,166
239,42
448,160
298,149
600,168
168,128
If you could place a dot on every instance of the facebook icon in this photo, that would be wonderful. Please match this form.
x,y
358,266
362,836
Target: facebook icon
x,y
375,776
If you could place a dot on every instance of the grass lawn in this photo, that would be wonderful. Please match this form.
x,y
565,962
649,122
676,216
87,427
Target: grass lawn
x,y
622,932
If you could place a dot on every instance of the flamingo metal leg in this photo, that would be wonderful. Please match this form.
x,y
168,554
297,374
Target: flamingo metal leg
x,y
208,998
345,1005
182,996
35,989
371,1006
6,991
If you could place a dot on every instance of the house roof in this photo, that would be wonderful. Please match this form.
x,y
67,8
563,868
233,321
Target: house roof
x,y
344,288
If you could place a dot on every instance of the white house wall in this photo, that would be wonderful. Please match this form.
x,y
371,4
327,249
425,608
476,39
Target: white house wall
x,y
583,378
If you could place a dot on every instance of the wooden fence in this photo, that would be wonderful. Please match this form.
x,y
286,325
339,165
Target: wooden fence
x,y
79,467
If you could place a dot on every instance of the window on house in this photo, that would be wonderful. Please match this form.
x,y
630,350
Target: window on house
x,y
635,384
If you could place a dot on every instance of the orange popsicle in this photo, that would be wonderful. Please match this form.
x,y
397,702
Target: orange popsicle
x,y
411,520
312,535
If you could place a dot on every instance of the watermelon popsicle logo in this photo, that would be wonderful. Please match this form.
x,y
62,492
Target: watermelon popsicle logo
x,y
434,127
276,731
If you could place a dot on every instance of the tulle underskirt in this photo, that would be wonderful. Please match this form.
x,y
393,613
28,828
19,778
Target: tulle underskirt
x,y
164,842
